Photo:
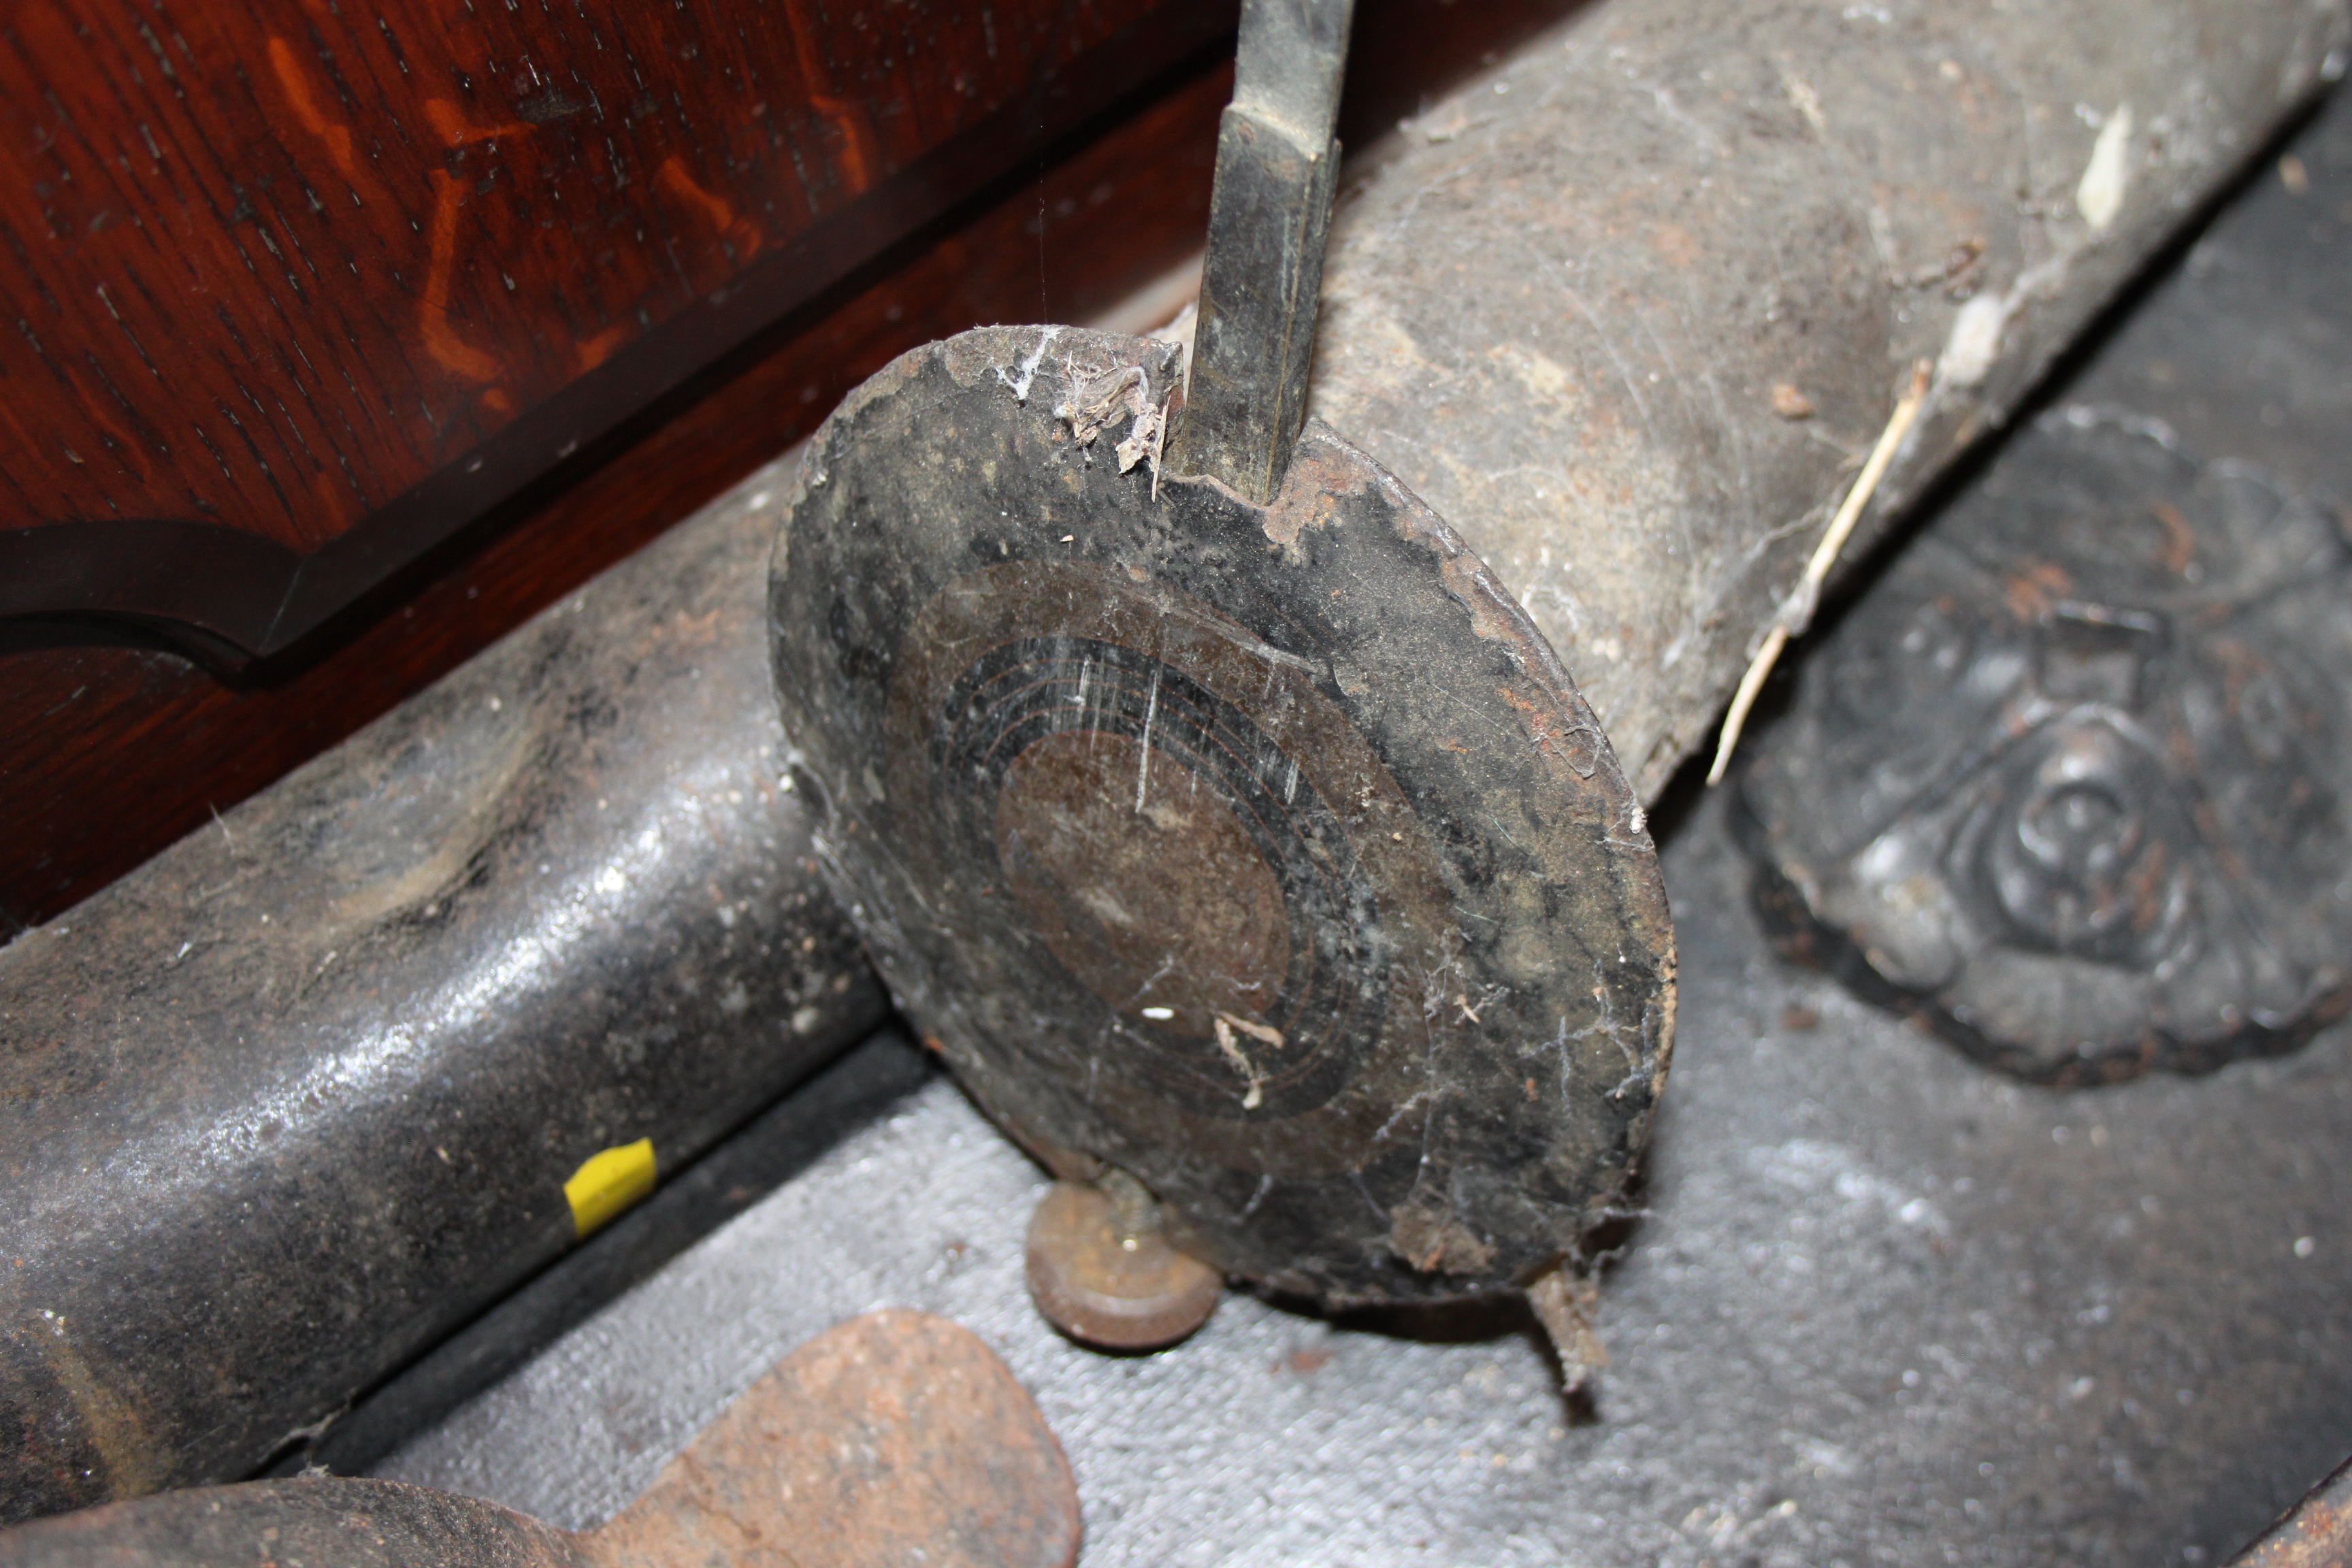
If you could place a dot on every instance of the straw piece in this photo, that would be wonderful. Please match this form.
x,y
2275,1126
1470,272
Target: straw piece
x,y
1797,610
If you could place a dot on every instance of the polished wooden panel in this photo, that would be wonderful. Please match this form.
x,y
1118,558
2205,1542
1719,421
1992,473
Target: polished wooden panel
x,y
299,287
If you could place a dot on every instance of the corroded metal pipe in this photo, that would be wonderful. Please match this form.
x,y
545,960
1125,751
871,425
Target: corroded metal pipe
x,y
1627,311
301,1095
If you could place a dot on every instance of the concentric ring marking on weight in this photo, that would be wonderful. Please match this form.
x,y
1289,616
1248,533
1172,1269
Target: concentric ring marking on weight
x,y
1330,1095
1327,1003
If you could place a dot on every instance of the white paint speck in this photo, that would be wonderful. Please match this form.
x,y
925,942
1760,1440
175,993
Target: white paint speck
x,y
1975,342
2100,196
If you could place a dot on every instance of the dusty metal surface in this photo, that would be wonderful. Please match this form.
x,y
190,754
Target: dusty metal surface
x,y
895,1440
305,1092
1264,854
316,1524
781,1142
1627,311
1882,1308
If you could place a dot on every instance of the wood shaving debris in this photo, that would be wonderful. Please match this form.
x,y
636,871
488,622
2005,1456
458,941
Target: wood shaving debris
x,y
1256,1031
1805,101
1567,1306
1225,1024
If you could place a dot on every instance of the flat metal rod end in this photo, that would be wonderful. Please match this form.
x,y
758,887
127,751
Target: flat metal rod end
x,y
1269,215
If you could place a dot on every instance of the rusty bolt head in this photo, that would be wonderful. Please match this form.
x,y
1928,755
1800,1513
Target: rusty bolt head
x,y
1102,1273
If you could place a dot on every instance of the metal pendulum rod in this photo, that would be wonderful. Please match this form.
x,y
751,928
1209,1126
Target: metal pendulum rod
x,y
1268,213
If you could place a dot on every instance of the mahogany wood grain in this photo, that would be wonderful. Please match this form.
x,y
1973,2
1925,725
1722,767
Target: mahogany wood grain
x,y
300,288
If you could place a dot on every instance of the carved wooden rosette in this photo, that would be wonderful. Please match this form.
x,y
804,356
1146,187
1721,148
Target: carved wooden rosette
x,y
2068,782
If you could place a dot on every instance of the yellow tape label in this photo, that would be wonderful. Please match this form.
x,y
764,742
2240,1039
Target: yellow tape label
x,y
606,1184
